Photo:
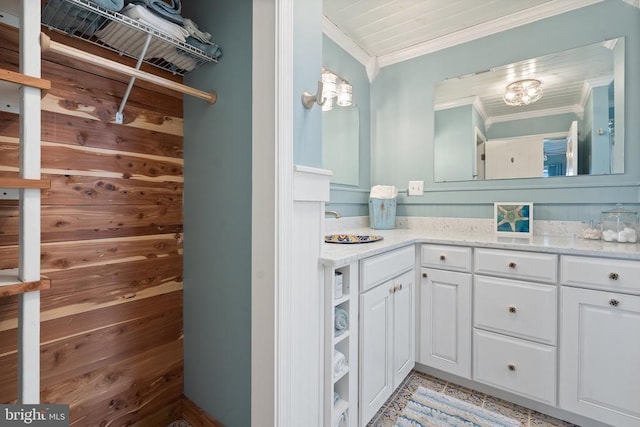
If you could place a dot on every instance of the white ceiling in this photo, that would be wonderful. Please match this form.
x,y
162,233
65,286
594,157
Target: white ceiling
x,y
395,30
383,32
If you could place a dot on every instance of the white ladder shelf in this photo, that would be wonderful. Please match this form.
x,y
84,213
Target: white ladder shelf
x,y
25,281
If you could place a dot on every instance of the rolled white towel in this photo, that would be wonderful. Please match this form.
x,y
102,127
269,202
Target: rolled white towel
x,y
339,362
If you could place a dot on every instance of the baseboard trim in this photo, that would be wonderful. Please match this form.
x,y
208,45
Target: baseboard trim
x,y
197,417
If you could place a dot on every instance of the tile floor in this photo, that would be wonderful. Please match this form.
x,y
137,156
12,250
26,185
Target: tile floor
x,y
387,415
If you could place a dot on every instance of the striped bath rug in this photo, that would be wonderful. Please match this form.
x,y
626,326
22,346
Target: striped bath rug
x,y
430,408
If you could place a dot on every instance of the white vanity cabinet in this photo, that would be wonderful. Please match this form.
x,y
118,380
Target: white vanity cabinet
x,y
445,308
515,322
387,319
600,339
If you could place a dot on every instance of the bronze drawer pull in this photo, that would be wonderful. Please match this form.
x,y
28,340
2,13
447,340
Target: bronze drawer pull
x,y
442,257
512,264
511,367
613,276
512,309
614,302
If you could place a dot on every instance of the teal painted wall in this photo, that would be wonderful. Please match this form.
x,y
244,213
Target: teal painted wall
x,y
217,218
601,148
352,200
453,154
307,69
403,120
532,126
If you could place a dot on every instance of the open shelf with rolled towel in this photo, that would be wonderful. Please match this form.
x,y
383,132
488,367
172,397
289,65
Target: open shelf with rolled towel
x,y
136,32
341,346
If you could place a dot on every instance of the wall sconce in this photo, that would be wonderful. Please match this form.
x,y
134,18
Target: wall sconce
x,y
309,99
332,90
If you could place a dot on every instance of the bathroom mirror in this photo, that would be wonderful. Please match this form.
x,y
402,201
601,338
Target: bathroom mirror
x,y
340,144
575,128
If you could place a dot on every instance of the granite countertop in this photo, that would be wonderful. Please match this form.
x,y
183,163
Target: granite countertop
x,y
335,254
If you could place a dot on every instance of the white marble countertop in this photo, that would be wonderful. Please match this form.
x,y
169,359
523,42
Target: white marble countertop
x,y
335,254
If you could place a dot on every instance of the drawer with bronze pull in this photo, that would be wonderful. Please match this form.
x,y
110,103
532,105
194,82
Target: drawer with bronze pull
x,y
380,268
539,267
614,275
519,366
522,309
455,258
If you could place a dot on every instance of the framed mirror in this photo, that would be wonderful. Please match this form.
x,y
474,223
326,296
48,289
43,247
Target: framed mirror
x,y
564,117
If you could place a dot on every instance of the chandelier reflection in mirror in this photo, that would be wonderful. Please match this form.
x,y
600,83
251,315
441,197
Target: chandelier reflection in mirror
x,y
335,90
523,92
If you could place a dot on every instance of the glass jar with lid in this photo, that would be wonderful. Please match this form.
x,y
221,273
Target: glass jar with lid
x,y
619,225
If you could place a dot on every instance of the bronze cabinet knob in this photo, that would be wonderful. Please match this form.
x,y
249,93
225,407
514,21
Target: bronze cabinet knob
x,y
512,309
442,257
614,276
425,275
511,367
614,302
512,264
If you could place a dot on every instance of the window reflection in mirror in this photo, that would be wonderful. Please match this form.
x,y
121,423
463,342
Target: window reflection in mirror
x,y
575,128
340,144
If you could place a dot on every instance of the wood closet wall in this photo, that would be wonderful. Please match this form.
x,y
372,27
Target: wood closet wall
x,y
111,330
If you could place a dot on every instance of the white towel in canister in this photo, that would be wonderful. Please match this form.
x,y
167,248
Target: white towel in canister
x,y
339,363
383,192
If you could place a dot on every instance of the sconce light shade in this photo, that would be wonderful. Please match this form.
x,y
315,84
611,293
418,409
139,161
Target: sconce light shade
x,y
329,81
330,86
523,92
345,94
328,104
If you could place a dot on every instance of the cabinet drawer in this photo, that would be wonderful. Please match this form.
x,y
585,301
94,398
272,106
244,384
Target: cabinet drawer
x,y
518,265
383,267
523,309
446,257
614,275
519,366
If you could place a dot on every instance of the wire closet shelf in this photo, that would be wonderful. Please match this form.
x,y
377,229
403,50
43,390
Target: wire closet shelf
x,y
123,35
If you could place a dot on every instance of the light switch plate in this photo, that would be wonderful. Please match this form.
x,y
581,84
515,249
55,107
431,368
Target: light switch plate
x,y
416,188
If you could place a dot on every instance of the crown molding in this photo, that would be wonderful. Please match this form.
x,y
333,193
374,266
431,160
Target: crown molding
x,y
344,41
575,109
590,84
514,20
469,100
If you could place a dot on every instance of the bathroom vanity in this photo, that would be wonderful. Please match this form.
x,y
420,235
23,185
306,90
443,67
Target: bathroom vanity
x,y
550,323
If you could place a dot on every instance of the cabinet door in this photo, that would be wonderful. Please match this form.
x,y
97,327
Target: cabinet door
x,y
600,355
403,348
445,321
375,347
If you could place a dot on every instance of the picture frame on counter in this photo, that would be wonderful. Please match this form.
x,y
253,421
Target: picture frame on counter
x,y
513,219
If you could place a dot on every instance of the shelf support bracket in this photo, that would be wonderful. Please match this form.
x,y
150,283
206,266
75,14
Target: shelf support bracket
x,y
119,114
49,45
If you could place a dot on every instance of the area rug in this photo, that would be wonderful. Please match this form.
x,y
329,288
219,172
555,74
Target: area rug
x,y
430,408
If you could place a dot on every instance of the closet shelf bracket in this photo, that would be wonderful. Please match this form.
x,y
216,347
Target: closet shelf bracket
x,y
125,97
48,45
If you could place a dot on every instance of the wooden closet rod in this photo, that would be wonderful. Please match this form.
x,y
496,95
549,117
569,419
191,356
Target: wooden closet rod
x,y
49,45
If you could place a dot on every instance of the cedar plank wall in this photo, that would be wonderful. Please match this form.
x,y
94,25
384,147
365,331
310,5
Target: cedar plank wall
x,y
111,331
